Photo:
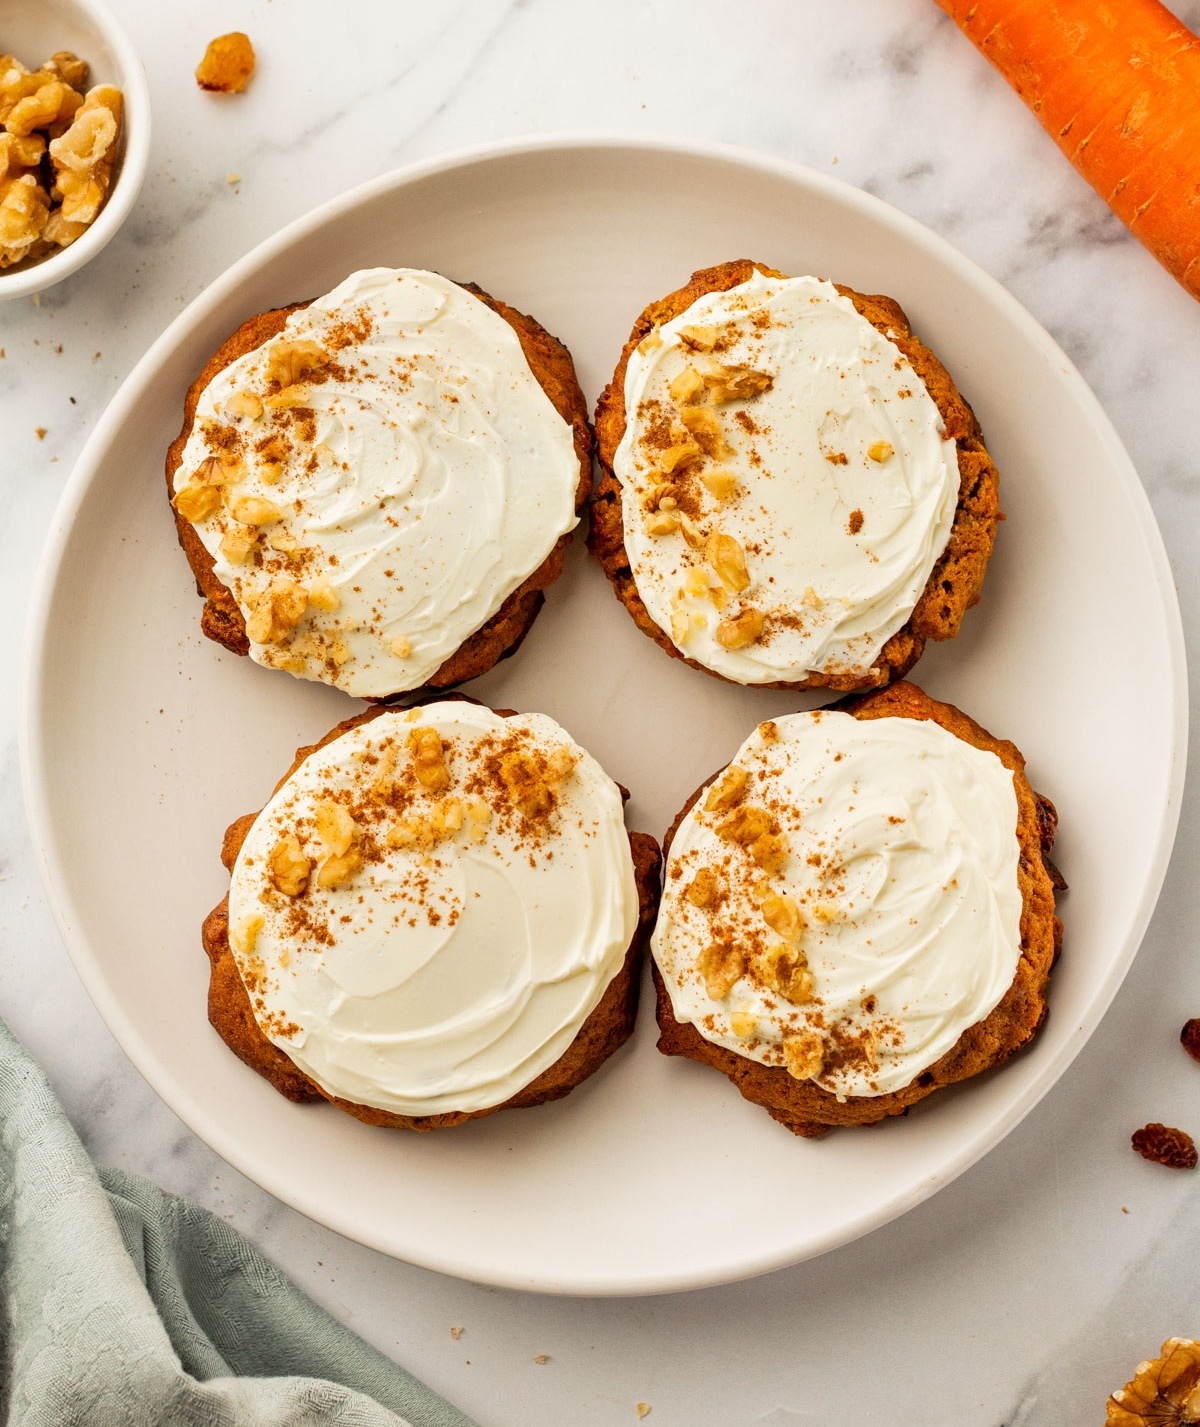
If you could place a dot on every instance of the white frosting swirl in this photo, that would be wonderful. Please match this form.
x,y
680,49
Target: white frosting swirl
x,y
427,475
902,861
445,977
838,545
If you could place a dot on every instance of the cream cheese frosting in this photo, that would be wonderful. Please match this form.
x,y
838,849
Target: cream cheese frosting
x,y
786,482
430,907
878,922
373,482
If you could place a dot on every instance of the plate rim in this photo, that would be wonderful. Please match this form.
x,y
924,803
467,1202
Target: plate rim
x,y
35,661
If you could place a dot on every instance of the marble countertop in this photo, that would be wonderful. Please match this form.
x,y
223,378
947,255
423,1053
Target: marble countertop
x,y
1030,1287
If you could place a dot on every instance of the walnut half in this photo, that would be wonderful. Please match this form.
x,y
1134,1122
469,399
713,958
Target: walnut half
x,y
1163,1392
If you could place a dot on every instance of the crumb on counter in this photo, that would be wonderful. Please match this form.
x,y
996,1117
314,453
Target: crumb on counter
x,y
227,64
1162,1144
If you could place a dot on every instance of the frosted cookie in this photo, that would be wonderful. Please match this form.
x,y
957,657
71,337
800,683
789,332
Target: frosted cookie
x,y
858,910
374,488
794,492
438,914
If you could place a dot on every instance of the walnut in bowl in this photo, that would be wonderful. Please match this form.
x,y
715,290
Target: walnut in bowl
x,y
74,138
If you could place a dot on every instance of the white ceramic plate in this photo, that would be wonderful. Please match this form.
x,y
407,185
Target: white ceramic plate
x,y
143,740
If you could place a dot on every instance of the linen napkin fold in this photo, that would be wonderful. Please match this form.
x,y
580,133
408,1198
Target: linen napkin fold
x,y
123,1306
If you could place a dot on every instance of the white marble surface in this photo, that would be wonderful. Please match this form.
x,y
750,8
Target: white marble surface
x,y
1028,1288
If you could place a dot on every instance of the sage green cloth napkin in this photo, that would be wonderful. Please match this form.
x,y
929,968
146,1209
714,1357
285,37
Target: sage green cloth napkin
x,y
127,1307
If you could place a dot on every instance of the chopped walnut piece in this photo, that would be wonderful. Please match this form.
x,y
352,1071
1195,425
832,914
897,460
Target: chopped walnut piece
x,y
1163,1392
770,852
227,64
691,532
661,497
722,966
768,731
285,543
250,509
479,815
811,598
736,383
24,208
291,362
289,397
743,1024
699,339
17,83
20,153
649,342
728,559
706,431
681,628
662,522
197,500
741,630
429,759
782,915
244,934
785,969
446,818
1189,1038
68,67
400,647
744,825
244,403
83,155
827,913
880,451
385,770
695,583
322,596
525,784
721,484
287,866
727,791
339,868
335,827
235,545
276,612
804,1055
681,456
687,387
560,765
704,889
50,107
1164,1145
410,833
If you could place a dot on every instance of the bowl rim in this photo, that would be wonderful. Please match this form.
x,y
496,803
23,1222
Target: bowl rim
x,y
24,282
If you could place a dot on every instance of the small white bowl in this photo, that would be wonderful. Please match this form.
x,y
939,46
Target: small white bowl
x,y
33,30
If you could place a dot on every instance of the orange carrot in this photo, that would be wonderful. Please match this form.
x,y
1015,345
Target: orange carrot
x,y
1116,85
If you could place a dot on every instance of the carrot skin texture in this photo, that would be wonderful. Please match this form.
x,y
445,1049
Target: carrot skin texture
x,y
1116,85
